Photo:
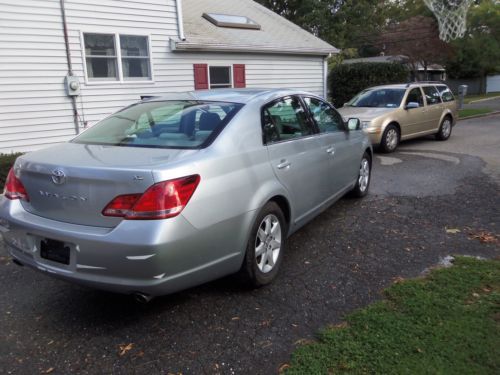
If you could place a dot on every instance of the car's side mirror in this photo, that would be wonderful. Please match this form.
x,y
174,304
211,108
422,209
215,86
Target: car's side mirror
x,y
412,105
353,124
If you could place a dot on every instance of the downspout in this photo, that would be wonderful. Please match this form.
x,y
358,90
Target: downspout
x,y
70,68
180,22
325,77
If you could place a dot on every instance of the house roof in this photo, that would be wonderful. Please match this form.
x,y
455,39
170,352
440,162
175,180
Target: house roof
x,y
395,58
276,35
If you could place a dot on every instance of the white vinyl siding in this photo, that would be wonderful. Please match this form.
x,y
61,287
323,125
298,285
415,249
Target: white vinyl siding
x,y
34,109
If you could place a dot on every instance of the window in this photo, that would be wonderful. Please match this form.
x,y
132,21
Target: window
x,y
284,119
327,119
415,96
432,95
179,124
112,57
446,94
227,20
220,77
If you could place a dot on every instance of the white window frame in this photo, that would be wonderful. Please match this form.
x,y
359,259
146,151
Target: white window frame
x,y
230,67
119,67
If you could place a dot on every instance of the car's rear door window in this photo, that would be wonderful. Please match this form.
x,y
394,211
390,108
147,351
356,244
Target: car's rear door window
x,y
446,93
285,119
327,119
432,95
163,124
415,96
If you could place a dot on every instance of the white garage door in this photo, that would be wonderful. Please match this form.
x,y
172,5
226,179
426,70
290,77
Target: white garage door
x,y
493,83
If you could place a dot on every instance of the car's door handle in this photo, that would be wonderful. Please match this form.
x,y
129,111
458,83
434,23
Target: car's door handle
x,y
330,150
284,164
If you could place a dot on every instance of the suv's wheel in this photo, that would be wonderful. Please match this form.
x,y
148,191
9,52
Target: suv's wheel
x,y
364,177
390,139
444,130
265,247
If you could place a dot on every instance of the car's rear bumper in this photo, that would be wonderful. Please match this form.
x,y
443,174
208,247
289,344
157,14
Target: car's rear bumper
x,y
153,257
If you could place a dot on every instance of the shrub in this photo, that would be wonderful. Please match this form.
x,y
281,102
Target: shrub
x,y
6,162
346,80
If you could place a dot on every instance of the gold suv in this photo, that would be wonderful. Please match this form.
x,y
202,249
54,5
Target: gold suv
x,y
393,113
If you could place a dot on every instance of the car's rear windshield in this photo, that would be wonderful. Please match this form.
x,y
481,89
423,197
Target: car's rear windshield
x,y
179,124
378,98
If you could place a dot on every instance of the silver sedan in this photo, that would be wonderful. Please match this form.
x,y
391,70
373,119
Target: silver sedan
x,y
175,191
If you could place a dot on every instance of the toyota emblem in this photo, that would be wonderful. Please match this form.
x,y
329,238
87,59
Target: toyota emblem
x,y
58,177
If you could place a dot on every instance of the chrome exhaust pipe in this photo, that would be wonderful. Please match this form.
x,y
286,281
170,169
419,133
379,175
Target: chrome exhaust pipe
x,y
142,298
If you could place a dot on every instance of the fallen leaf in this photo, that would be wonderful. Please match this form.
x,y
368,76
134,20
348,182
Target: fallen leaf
x,y
452,230
125,348
236,318
484,237
283,367
48,371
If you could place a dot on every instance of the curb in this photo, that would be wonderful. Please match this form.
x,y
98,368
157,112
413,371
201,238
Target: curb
x,y
484,100
478,116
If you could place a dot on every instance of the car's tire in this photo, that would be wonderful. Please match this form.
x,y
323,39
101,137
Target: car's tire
x,y
364,177
445,129
390,139
267,237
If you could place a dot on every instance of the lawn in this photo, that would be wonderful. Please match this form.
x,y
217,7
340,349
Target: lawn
x,y
470,98
463,113
6,161
446,323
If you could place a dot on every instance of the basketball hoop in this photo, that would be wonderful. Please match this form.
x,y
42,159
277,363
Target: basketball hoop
x,y
451,16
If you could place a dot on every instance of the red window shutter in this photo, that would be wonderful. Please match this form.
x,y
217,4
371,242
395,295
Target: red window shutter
x,y
239,76
200,76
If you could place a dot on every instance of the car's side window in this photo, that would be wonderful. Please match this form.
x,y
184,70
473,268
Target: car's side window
x,y
432,95
327,119
446,94
415,96
284,119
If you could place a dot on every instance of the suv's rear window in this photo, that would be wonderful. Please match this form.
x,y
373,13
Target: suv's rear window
x,y
163,124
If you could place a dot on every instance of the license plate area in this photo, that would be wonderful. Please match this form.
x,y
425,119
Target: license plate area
x,y
55,251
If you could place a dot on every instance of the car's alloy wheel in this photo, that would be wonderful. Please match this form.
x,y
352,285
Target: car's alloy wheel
x,y
268,243
363,181
444,130
265,246
390,139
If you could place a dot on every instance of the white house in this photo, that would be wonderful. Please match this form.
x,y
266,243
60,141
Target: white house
x,y
65,64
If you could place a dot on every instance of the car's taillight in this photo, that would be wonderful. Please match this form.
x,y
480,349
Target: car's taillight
x,y
14,188
162,200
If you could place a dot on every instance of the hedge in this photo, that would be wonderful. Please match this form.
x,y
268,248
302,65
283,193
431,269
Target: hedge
x,y
6,162
346,80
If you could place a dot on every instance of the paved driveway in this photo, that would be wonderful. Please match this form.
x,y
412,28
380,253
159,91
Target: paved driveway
x,y
338,263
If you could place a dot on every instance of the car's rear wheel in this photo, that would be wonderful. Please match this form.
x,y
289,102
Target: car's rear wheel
x,y
265,247
364,177
390,139
444,130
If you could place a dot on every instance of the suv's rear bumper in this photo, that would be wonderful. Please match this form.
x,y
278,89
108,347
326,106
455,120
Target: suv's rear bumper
x,y
153,257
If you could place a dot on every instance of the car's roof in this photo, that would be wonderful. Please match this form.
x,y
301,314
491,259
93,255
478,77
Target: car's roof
x,y
230,95
406,85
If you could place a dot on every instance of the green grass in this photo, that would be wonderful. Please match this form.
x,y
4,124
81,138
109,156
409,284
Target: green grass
x,y
6,162
471,98
446,323
463,113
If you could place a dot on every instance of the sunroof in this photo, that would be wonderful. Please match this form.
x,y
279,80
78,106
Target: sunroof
x,y
227,20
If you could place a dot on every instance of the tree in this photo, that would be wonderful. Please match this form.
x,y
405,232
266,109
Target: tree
x,y
417,38
478,53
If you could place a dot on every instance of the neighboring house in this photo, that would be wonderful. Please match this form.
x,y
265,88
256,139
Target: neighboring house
x,y
118,51
434,72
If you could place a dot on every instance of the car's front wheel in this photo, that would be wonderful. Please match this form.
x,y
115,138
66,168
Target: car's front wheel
x,y
364,177
265,247
444,130
390,139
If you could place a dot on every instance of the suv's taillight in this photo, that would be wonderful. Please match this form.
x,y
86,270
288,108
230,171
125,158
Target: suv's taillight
x,y
162,200
14,188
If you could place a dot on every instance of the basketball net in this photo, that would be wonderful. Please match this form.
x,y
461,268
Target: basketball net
x,y
451,16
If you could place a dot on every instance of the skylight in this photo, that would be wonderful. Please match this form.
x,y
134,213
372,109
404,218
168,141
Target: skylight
x,y
226,20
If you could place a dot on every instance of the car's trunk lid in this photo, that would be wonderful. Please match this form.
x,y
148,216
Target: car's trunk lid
x,y
74,182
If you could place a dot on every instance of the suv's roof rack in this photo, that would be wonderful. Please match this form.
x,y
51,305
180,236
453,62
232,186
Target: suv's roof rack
x,y
419,82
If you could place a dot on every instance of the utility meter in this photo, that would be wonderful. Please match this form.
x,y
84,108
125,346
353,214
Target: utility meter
x,y
72,85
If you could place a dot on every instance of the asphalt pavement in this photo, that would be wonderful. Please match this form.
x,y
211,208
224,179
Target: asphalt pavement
x,y
339,262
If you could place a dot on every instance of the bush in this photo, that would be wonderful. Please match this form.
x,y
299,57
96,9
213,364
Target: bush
x,y
6,162
346,80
